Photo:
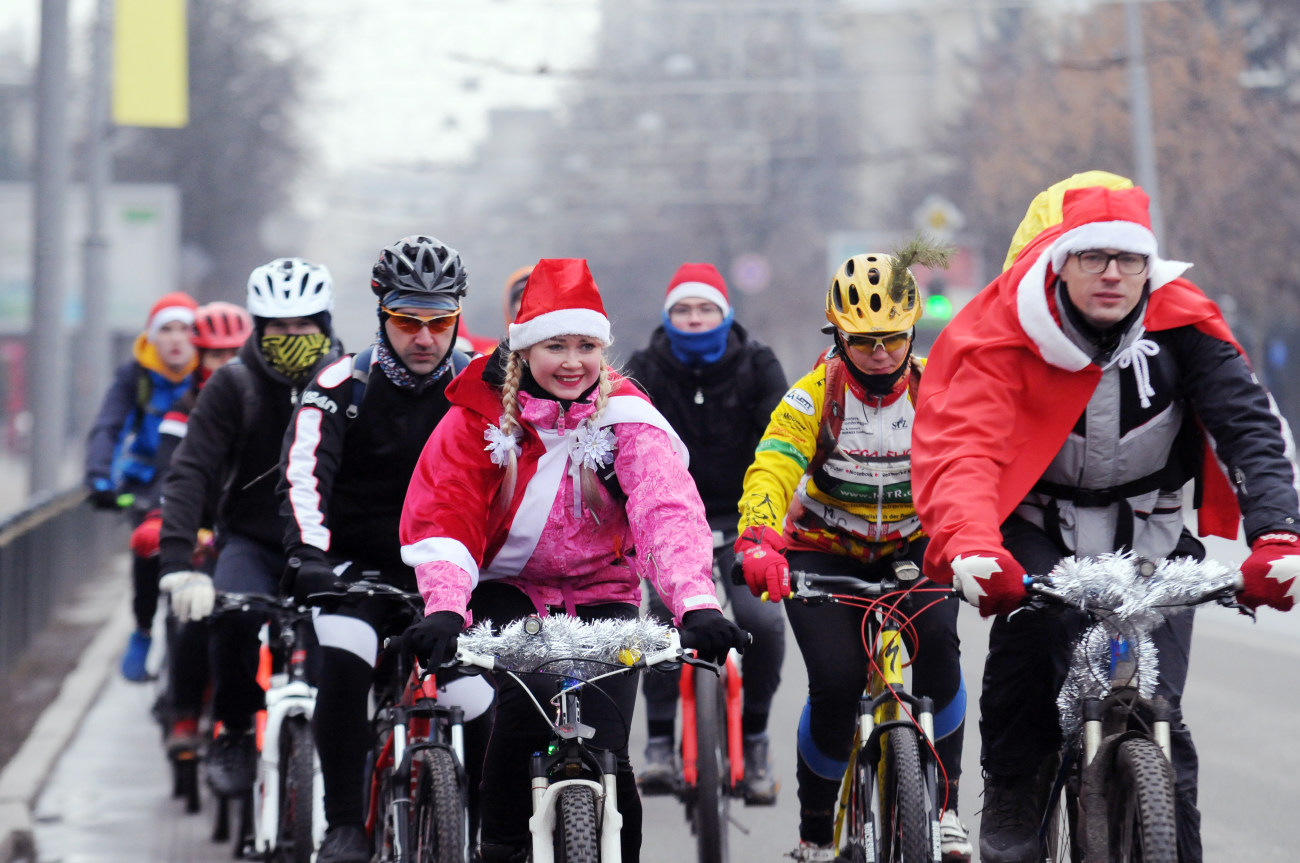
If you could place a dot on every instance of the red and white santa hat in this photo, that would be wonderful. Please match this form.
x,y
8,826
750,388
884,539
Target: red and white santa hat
x,y
176,306
561,299
1096,217
697,282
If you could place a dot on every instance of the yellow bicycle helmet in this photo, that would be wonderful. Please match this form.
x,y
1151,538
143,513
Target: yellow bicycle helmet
x,y
871,293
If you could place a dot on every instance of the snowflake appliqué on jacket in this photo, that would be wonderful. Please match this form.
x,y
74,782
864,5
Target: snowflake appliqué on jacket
x,y
500,444
594,447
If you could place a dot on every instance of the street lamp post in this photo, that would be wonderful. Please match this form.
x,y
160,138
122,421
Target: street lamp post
x,y
1139,88
47,363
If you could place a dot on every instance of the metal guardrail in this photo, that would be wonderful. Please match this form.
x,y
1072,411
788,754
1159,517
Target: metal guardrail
x,y
46,550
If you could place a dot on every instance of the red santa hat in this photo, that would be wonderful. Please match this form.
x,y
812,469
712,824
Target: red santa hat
x,y
1096,217
561,299
697,282
176,306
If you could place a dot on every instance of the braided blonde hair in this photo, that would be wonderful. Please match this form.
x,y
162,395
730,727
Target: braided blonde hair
x,y
512,424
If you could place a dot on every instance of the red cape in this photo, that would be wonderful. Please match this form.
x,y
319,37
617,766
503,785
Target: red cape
x,y
992,413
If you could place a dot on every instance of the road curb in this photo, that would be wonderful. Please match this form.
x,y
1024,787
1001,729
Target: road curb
x,y
26,773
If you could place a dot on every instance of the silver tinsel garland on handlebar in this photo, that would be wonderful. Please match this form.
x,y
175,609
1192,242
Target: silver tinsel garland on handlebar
x,y
1127,604
564,644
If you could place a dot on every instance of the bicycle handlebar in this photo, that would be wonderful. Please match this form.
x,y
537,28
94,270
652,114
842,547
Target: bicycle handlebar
x,y
815,587
1129,585
567,645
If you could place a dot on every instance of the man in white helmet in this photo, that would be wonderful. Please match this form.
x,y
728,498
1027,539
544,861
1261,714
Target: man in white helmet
x,y
229,460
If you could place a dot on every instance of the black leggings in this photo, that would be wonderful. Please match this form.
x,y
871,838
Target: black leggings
x,y
830,639
518,730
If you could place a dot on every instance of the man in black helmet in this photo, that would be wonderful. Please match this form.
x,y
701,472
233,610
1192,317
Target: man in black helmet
x,y
348,457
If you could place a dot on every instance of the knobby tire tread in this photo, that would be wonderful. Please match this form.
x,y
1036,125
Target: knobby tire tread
x,y
440,809
904,809
297,790
1141,805
713,770
577,836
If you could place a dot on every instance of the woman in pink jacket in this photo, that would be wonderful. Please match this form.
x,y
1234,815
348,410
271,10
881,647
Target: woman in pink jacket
x,y
580,491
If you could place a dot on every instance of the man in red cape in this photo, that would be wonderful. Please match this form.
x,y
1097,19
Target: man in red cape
x,y
1062,412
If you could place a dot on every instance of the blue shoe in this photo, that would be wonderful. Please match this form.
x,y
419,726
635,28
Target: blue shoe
x,y
137,652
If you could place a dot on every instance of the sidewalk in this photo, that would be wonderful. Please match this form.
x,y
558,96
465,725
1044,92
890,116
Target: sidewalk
x,y
47,694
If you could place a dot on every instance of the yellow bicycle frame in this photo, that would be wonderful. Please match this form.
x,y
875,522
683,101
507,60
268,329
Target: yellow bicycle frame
x,y
889,660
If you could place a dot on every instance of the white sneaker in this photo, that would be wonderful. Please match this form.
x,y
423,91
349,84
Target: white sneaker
x,y
807,853
954,841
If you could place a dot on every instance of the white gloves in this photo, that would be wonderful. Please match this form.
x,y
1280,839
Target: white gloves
x,y
192,594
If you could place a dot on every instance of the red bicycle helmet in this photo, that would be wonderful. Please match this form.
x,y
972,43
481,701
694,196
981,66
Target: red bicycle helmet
x,y
221,325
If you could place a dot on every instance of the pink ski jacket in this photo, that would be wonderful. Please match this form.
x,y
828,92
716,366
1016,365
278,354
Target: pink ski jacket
x,y
548,543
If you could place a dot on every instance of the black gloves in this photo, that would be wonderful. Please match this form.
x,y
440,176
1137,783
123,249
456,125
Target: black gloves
x,y
712,634
307,575
433,639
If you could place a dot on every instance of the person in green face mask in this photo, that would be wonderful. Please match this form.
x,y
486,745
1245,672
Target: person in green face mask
x,y
230,460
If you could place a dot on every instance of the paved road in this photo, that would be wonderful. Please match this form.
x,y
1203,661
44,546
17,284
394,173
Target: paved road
x,y
107,800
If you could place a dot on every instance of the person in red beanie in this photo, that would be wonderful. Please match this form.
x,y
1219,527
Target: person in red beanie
x,y
500,532
717,386
1062,412
123,444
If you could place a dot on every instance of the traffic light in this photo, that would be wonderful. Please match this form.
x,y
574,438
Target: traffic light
x,y
938,309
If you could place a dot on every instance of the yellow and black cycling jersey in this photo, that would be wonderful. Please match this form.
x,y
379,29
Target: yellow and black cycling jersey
x,y
852,497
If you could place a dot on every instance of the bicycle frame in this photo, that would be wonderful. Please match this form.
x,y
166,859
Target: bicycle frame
x,y
730,680
414,722
879,712
1112,718
287,697
886,706
568,755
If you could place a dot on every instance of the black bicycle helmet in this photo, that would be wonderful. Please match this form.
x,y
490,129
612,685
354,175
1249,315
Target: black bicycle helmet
x,y
419,271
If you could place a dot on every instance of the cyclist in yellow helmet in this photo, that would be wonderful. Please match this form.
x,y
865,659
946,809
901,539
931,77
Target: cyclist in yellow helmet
x,y
830,491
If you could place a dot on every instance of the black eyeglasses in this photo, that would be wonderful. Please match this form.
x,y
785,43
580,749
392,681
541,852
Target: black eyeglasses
x,y
868,344
1130,263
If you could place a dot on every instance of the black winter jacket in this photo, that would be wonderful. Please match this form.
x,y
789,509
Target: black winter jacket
x,y
720,411
345,480
232,444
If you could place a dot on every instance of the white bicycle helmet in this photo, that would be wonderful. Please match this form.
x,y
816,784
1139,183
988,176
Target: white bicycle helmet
x,y
290,288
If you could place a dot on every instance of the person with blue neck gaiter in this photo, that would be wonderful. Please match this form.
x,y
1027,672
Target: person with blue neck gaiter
x,y
717,387
697,318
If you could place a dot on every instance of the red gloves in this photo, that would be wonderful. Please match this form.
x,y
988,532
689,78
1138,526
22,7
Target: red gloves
x,y
762,552
1269,574
991,581
144,539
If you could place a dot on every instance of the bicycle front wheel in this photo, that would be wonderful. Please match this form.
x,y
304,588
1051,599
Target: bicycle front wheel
x,y
577,837
712,798
905,822
441,809
1061,844
297,791
1140,809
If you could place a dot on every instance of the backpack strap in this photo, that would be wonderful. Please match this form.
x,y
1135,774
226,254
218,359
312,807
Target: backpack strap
x,y
832,411
833,404
459,359
360,377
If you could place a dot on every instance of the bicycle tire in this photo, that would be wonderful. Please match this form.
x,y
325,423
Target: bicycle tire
x,y
1061,844
861,822
441,809
905,811
577,839
1140,809
296,842
713,770
386,841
